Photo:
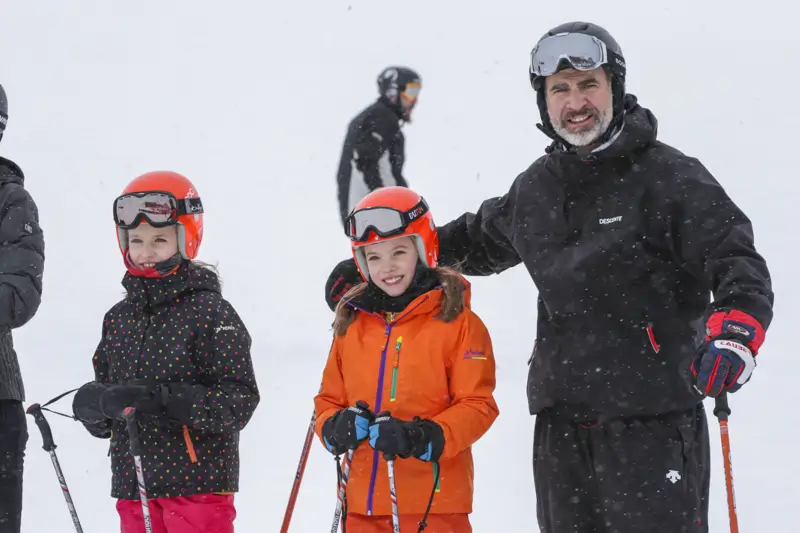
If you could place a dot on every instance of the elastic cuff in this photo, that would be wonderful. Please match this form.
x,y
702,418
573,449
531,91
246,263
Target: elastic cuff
x,y
179,401
434,441
735,324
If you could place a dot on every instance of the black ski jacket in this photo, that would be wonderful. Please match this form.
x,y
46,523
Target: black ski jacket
x,y
21,270
373,155
178,329
625,246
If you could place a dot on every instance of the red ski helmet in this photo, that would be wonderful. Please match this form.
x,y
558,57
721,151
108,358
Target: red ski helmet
x,y
388,213
162,198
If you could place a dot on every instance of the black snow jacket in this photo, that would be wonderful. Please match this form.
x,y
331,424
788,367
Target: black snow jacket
x,y
373,155
21,270
625,246
178,329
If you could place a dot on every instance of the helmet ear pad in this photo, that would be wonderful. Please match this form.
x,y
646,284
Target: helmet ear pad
x,y
361,258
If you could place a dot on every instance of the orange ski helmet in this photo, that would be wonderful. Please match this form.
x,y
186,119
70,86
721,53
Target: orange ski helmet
x,y
162,198
388,213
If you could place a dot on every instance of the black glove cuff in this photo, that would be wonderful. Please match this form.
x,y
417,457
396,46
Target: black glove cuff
x,y
328,428
329,434
178,399
86,403
432,433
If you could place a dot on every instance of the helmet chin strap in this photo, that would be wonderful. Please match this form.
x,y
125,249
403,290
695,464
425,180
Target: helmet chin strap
x,y
160,270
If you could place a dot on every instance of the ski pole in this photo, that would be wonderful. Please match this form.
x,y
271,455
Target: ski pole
x,y
342,491
342,496
721,411
49,446
136,452
298,477
383,417
393,494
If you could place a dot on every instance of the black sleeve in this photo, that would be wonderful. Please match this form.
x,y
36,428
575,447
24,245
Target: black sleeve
x,y
714,239
372,159
21,258
480,244
228,399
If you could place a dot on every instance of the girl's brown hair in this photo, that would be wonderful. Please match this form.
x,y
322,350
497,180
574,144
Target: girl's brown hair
x,y
452,300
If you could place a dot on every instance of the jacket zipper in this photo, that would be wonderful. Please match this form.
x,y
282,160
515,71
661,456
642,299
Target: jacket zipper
x,y
395,368
379,400
146,319
187,436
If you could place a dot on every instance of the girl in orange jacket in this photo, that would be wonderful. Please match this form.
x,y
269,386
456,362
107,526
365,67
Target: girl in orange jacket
x,y
406,344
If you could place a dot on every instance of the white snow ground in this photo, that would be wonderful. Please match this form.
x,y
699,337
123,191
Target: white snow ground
x,y
251,100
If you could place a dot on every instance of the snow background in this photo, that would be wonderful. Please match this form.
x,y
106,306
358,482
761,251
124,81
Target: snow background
x,y
251,101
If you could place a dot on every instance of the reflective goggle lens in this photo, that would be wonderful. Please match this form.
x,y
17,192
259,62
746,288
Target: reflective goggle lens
x,y
156,208
412,91
583,52
383,220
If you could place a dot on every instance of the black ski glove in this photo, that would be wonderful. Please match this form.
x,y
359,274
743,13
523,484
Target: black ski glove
x,y
145,397
423,439
347,428
343,278
86,403
179,399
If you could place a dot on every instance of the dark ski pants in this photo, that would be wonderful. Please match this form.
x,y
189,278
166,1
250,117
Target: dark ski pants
x,y
13,438
642,475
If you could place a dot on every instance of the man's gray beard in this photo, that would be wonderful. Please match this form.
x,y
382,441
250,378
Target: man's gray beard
x,y
585,138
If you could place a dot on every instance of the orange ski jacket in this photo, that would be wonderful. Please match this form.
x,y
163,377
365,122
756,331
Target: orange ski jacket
x,y
414,365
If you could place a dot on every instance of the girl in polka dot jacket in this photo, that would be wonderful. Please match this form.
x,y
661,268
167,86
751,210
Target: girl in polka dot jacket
x,y
176,351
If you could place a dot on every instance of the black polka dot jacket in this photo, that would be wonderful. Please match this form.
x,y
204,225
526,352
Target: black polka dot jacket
x,y
179,329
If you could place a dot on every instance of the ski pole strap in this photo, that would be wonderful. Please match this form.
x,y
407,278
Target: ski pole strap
x,y
423,524
54,400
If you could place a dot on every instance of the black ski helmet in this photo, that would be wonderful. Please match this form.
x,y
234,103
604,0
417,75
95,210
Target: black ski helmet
x,y
3,111
616,70
393,80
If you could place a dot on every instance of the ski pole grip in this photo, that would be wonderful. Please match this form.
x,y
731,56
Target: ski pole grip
x,y
133,431
721,408
48,444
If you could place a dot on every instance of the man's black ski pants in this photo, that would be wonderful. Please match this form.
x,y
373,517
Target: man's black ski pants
x,y
644,475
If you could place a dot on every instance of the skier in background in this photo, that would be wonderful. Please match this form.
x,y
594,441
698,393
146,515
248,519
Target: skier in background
x,y
176,351
21,269
374,146
626,239
406,341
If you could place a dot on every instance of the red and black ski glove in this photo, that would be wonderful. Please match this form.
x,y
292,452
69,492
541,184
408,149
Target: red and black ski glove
x,y
728,357
344,277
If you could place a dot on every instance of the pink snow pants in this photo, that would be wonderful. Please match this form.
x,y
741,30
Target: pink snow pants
x,y
199,513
